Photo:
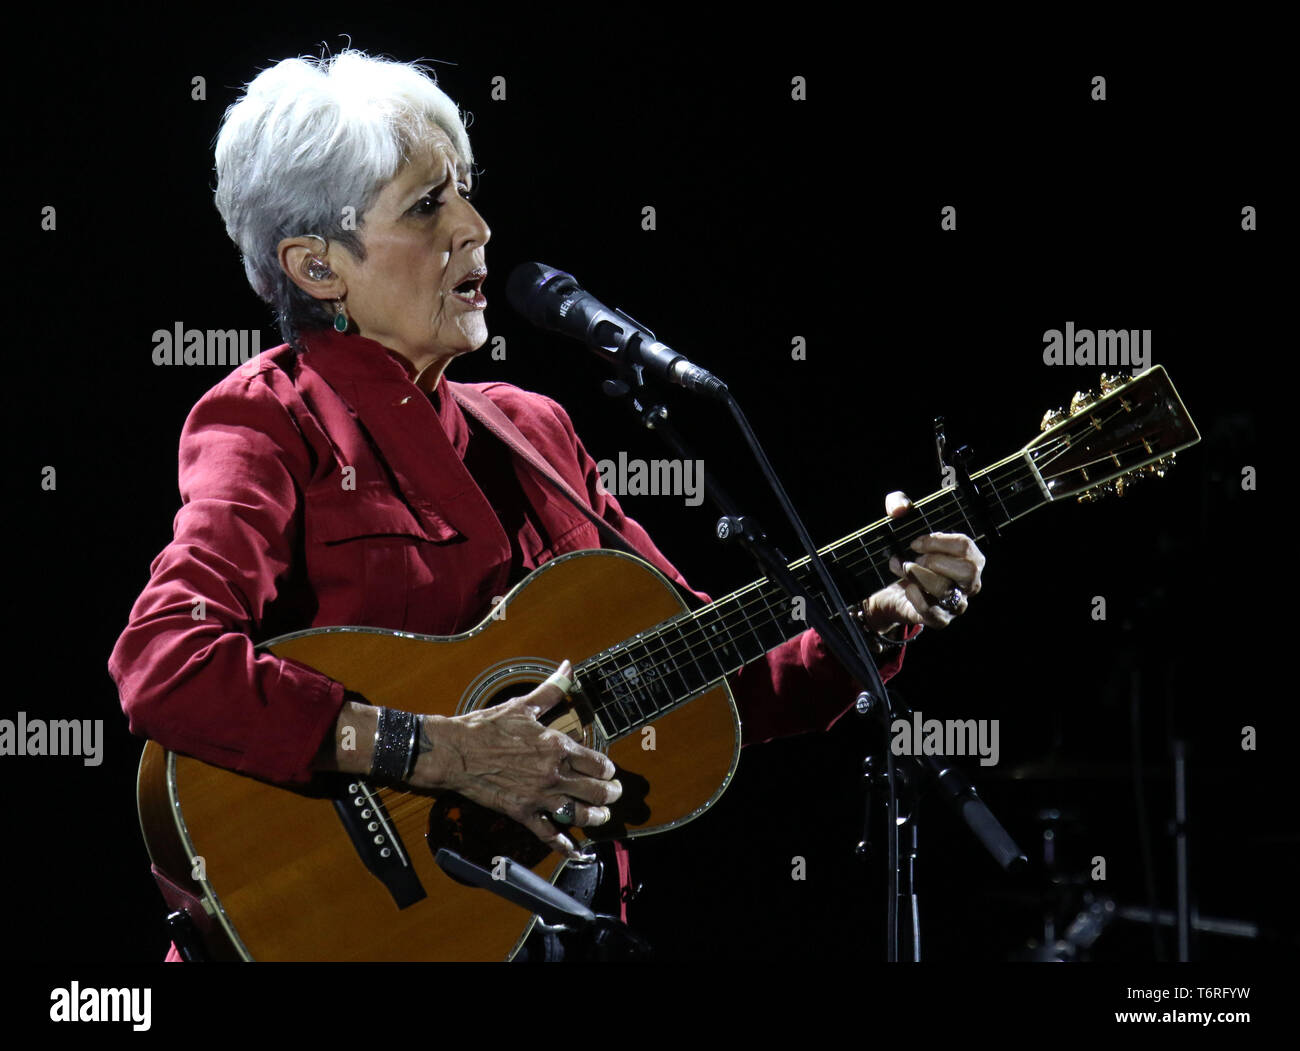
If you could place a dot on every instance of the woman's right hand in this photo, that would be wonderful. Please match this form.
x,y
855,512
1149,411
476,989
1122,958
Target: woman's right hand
x,y
505,759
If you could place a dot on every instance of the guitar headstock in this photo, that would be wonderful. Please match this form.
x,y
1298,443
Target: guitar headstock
x,y
1110,439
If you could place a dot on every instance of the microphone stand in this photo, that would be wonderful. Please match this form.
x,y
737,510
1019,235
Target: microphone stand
x,y
612,939
847,643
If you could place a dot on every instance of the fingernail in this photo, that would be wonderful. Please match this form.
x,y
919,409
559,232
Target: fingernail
x,y
915,545
895,566
565,667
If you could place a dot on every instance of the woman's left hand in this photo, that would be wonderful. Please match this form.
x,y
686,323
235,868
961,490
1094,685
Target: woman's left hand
x,y
934,589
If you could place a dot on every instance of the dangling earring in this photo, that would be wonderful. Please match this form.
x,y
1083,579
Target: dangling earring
x,y
340,318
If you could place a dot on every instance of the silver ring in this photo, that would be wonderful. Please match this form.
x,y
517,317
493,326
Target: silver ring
x,y
563,815
952,600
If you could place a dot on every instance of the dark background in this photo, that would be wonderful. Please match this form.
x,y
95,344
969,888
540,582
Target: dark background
x,y
775,218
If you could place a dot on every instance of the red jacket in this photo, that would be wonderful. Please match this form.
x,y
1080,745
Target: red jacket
x,y
269,541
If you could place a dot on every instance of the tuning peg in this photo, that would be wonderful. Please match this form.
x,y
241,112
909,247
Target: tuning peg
x,y
1081,400
1098,492
1051,418
1119,486
1161,467
1112,382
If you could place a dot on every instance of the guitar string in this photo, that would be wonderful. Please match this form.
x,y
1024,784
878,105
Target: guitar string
x,y
667,646
597,661
736,616
660,651
1064,442
750,610
410,805
404,806
731,614
739,615
850,559
878,557
407,808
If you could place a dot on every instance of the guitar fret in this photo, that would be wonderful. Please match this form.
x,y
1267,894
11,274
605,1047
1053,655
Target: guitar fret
x,y
703,653
879,566
641,675
768,630
707,664
623,693
748,644
880,557
897,544
621,716
682,666
971,531
715,627
997,491
920,509
690,679
615,718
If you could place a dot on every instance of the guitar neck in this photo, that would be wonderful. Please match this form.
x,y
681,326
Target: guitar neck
x,y
633,683
1103,444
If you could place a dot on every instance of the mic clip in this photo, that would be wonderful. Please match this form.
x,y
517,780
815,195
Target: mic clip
x,y
628,317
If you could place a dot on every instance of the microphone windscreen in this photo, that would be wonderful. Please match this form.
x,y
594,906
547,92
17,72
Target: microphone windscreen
x,y
534,291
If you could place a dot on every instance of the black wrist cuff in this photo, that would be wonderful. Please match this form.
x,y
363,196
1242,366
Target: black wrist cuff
x,y
394,757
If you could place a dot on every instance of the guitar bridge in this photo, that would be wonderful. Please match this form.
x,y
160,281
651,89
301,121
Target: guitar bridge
x,y
377,843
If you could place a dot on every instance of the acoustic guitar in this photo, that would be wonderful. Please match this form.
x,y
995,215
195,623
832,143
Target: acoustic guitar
x,y
343,868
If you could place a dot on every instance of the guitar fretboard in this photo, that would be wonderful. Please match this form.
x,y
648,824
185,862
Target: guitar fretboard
x,y
633,683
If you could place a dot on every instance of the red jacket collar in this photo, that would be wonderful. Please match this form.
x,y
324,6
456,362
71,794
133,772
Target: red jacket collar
x,y
343,355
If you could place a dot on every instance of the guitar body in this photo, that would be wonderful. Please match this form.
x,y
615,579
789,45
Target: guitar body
x,y
284,879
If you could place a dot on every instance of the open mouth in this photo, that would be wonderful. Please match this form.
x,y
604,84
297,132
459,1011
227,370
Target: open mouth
x,y
469,290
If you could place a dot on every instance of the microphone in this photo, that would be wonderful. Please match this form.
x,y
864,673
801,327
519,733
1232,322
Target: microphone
x,y
553,300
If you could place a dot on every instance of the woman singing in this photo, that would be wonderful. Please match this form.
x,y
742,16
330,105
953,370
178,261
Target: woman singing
x,y
343,479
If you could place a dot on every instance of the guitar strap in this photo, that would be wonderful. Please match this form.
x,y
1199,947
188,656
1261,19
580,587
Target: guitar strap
x,y
490,415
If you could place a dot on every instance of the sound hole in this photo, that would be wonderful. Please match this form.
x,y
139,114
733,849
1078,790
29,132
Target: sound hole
x,y
480,834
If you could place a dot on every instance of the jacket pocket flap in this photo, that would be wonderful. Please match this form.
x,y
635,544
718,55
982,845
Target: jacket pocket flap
x,y
334,515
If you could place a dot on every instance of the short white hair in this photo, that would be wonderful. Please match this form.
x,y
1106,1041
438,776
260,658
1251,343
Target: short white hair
x,y
309,138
